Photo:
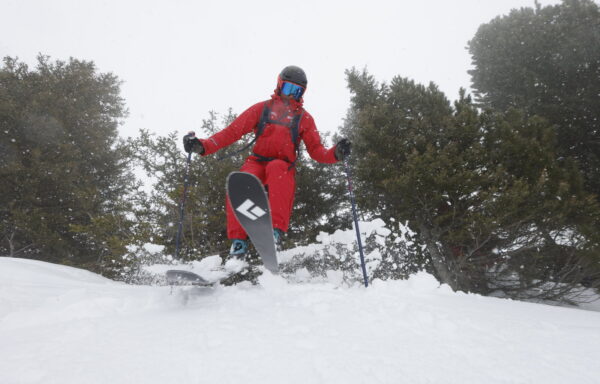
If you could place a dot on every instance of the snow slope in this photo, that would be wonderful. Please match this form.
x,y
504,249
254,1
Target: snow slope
x,y
63,325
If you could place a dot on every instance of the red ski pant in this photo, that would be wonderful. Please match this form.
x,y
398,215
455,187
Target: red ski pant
x,y
280,182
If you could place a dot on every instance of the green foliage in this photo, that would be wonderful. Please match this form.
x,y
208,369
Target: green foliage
x,y
64,174
485,193
546,61
165,162
321,201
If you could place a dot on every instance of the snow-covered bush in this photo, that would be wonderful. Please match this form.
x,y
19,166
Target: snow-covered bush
x,y
389,254
133,270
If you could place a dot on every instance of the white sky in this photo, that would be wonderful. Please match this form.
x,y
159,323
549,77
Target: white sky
x,y
181,58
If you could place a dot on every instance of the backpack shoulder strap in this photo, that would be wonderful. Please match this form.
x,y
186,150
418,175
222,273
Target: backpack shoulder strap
x,y
264,119
295,128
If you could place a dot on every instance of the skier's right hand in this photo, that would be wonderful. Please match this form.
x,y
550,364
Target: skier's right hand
x,y
192,144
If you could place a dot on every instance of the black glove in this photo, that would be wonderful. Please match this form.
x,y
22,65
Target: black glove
x,y
192,144
342,149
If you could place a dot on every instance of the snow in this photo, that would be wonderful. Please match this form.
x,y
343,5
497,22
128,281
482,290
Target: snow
x,y
210,268
63,325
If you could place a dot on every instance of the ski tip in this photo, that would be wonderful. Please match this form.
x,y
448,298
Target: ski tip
x,y
242,174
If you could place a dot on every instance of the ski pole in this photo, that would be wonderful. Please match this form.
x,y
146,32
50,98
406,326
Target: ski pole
x,y
186,183
352,200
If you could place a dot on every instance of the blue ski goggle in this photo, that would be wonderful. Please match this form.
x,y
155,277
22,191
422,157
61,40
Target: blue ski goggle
x,y
291,89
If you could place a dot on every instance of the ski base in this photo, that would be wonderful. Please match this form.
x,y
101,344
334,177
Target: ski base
x,y
250,205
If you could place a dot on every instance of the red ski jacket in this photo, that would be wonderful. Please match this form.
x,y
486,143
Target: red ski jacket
x,y
275,140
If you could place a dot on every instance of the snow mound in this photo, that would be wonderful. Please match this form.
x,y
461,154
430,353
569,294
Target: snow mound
x,y
13,270
36,293
62,325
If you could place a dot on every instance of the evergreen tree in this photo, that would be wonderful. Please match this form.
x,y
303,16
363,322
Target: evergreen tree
x,y
493,207
321,203
64,173
547,61
163,158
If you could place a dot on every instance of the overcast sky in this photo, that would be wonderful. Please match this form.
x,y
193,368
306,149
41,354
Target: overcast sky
x,y
179,59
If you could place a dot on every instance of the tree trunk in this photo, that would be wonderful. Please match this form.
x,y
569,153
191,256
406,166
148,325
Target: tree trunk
x,y
11,245
439,261
449,269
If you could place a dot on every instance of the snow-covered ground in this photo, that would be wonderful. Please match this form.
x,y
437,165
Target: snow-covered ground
x,y
64,325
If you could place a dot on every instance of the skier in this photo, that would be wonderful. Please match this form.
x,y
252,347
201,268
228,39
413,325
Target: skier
x,y
279,124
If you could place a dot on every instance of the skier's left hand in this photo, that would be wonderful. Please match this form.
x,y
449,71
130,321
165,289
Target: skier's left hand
x,y
342,149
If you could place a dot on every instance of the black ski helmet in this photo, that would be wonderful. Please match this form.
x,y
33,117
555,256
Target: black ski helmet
x,y
293,74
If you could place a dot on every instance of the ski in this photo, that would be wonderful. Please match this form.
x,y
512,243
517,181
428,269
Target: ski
x,y
251,207
180,277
